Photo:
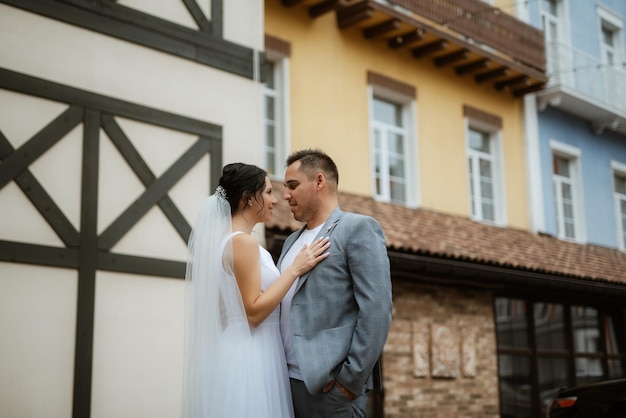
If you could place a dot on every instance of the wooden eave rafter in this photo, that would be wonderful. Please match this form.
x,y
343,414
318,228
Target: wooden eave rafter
x,y
426,40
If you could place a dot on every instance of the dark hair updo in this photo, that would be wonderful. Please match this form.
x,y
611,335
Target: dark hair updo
x,y
241,180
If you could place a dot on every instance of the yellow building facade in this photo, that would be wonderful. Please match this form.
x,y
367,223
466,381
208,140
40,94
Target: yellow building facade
x,y
330,109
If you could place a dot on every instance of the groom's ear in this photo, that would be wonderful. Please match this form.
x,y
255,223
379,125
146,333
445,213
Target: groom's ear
x,y
320,180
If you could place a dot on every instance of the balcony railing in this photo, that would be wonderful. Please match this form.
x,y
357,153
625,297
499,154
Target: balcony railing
x,y
587,77
479,41
485,24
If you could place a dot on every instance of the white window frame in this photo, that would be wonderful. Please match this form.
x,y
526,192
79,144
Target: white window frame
x,y
496,158
560,21
558,64
409,110
612,71
281,113
618,170
572,154
611,20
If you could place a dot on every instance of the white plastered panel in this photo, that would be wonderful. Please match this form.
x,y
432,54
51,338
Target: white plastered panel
x,y
138,346
37,324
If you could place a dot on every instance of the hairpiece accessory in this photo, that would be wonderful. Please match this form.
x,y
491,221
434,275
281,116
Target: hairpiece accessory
x,y
220,192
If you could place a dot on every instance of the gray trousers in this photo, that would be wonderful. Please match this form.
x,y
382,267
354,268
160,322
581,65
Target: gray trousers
x,y
325,405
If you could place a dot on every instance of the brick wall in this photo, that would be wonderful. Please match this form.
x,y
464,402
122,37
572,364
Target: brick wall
x,y
416,357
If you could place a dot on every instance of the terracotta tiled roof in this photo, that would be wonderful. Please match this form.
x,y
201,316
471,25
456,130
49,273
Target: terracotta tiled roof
x,y
426,232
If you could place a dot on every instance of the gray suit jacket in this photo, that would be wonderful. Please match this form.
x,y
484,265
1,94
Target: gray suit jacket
x,y
341,310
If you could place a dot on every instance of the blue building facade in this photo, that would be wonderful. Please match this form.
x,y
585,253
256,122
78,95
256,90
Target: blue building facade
x,y
579,140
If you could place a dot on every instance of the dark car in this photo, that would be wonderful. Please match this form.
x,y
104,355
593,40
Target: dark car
x,y
602,399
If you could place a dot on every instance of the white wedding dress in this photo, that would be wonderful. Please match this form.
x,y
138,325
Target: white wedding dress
x,y
249,376
230,369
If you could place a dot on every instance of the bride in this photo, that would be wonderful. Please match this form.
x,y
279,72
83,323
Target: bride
x,y
234,360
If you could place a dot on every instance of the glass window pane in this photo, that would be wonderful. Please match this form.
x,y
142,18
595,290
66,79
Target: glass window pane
x,y
588,369
615,332
270,112
488,211
585,329
515,386
551,7
549,326
568,210
570,230
486,188
387,112
552,375
553,30
566,190
620,185
607,36
271,162
560,166
479,141
550,365
617,368
396,167
270,82
485,168
270,135
396,143
377,141
623,204
511,323
397,190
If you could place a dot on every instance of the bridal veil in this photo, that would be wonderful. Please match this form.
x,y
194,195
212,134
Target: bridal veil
x,y
213,307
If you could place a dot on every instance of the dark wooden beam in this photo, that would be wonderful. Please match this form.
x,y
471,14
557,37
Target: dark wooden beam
x,y
132,25
491,75
381,28
153,193
141,169
41,200
406,38
87,262
217,18
40,255
123,263
472,66
42,141
289,3
42,88
198,15
355,13
509,83
323,8
430,48
530,89
452,57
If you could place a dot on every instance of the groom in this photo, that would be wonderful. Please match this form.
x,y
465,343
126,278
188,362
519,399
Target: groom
x,y
334,319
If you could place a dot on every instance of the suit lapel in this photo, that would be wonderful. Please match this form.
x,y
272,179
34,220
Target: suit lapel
x,y
326,231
